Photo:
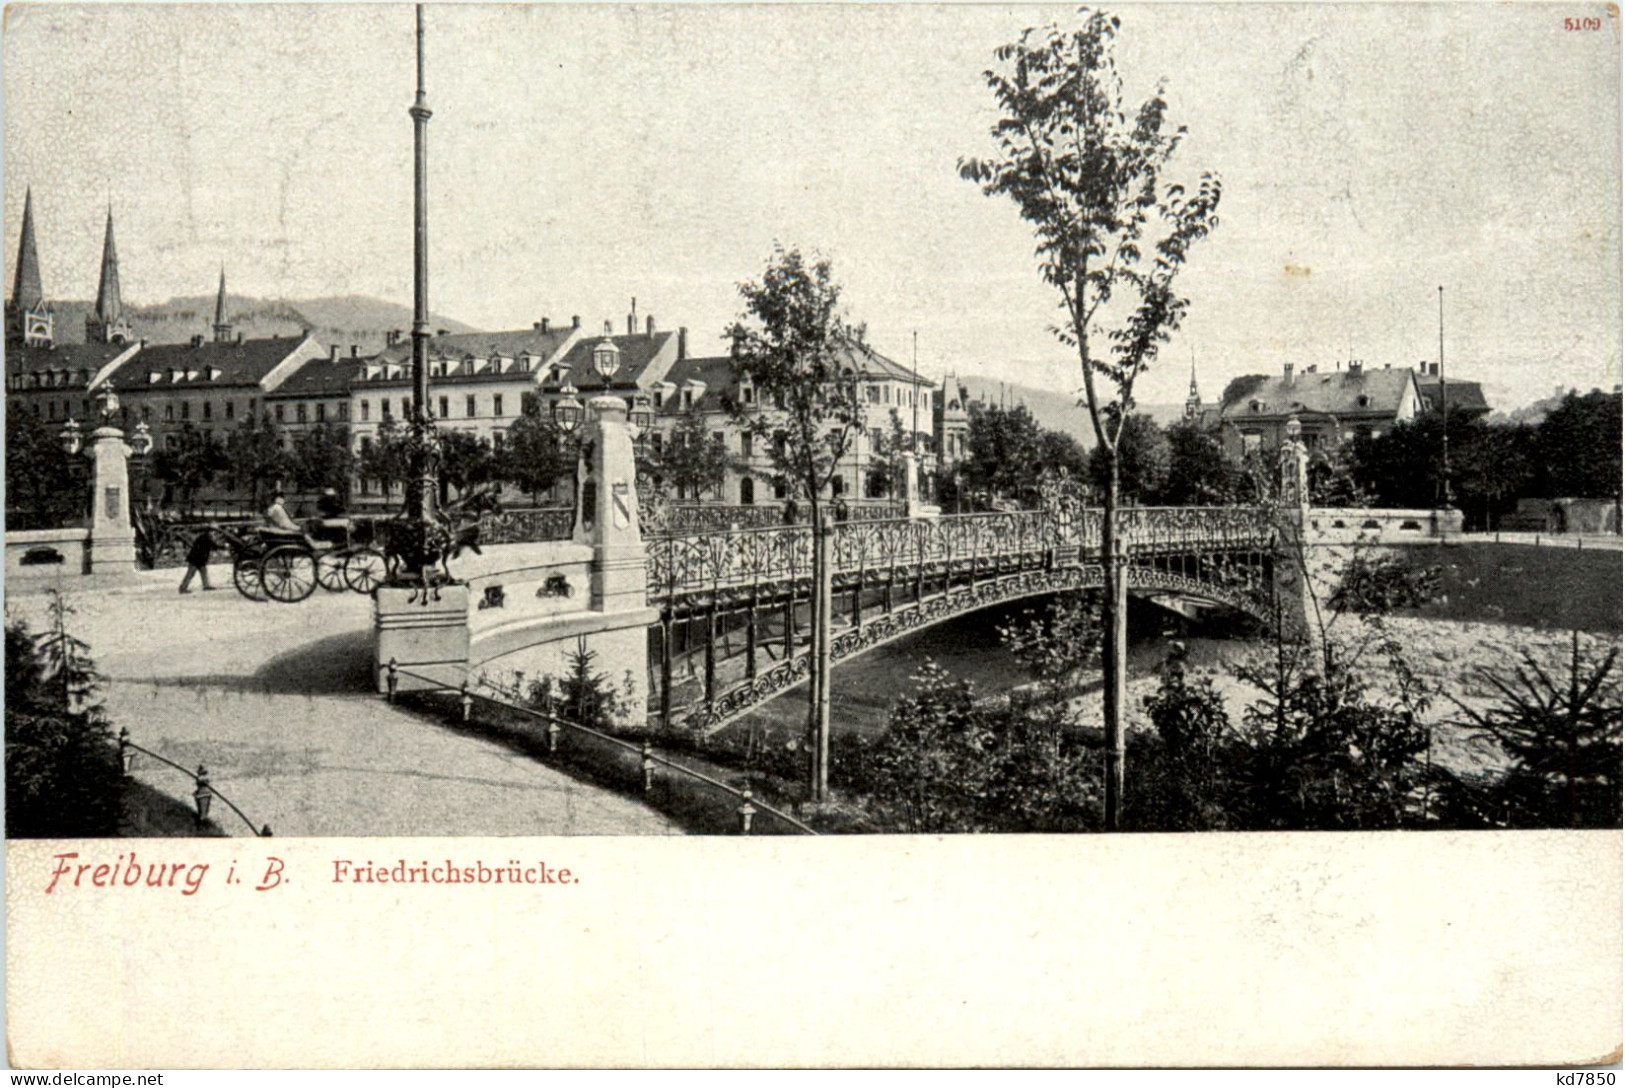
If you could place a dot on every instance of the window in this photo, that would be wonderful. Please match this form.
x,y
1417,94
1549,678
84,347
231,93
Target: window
x,y
719,438
366,443
250,407
406,408
445,407
496,404
299,412
146,413
778,487
527,404
874,439
660,397
659,441
837,487
51,409
745,443
497,440
366,410
468,406
208,410
344,409
279,413
231,410
321,413
186,409
169,412
688,398
874,393
1251,441
84,407
747,491
384,407
747,394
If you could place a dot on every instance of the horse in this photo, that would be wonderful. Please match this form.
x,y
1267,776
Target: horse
x,y
430,546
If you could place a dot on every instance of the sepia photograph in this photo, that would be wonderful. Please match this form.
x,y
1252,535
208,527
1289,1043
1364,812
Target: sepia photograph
x,y
1146,429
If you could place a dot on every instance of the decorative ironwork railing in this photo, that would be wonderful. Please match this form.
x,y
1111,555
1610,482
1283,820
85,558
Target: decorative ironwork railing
x,y
527,526
715,560
659,519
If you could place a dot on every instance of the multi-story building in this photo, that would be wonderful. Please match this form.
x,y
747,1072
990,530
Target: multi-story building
x,y
707,386
1330,407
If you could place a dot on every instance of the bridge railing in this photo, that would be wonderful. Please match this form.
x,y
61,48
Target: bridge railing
x,y
730,558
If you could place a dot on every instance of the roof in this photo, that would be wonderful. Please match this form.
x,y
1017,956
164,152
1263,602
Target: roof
x,y
319,377
22,359
1463,396
1338,393
871,364
636,351
715,371
462,345
209,364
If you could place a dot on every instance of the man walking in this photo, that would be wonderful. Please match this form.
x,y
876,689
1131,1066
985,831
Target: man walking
x,y
197,559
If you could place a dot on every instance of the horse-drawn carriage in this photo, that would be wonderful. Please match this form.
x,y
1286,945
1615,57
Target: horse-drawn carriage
x,y
287,565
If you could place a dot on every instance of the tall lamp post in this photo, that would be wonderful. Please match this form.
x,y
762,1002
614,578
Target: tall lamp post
x,y
422,500
1444,418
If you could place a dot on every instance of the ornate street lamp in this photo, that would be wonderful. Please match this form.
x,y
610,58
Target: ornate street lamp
x,y
203,795
70,437
107,400
568,412
606,359
642,416
141,441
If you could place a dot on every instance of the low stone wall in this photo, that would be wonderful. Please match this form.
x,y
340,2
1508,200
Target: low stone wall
x,y
1371,526
47,553
522,583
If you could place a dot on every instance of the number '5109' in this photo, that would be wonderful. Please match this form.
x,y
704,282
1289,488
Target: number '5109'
x,y
1589,22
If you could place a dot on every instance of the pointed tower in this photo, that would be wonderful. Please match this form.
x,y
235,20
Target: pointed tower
x,y
27,317
222,326
1193,399
107,324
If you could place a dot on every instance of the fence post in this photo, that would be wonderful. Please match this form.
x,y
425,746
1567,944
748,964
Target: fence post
x,y
747,812
467,700
203,795
552,736
126,754
648,767
393,679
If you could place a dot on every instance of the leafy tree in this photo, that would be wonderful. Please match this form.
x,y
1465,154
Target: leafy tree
x,y
466,461
322,458
1001,447
388,457
887,447
1577,446
1381,584
1144,459
796,348
1562,734
254,455
1242,387
1184,784
693,461
537,455
1113,231
190,464
41,482
1199,473
63,778
1057,644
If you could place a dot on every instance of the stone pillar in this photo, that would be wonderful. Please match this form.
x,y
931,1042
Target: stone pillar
x,y
112,539
610,498
1295,561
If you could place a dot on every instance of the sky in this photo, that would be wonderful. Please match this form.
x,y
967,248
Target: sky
x,y
583,155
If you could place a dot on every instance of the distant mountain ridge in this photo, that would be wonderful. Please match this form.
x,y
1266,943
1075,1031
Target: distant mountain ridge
x,y
1059,411
342,320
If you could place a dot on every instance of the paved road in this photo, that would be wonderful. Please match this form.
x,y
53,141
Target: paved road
x,y
275,701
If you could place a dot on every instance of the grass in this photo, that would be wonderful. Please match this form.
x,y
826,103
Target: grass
x,y
1551,588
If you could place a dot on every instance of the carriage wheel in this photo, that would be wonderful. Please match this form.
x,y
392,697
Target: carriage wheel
x,y
289,574
330,571
364,571
245,574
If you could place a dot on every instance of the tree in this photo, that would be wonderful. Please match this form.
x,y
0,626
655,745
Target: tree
x,y
796,348
1001,445
466,461
693,460
536,455
254,455
1185,780
1144,459
190,464
1199,473
1113,232
388,457
1578,447
63,778
887,447
1562,734
322,458
41,483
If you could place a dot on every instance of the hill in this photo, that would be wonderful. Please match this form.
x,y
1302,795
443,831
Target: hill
x,y
1059,411
341,320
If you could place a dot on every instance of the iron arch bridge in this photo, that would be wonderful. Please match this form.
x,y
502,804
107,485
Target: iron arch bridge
x,y
735,624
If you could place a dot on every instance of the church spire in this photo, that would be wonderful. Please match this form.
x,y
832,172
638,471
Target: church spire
x,y
27,291
106,324
1193,400
222,326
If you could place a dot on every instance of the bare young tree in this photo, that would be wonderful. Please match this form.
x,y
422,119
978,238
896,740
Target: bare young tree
x,y
1114,229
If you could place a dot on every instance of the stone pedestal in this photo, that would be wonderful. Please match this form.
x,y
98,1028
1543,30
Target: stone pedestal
x,y
610,504
911,486
1294,561
427,639
112,539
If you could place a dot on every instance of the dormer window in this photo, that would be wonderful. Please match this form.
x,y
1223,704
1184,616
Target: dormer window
x,y
214,373
747,394
1255,406
1363,401
688,398
660,398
